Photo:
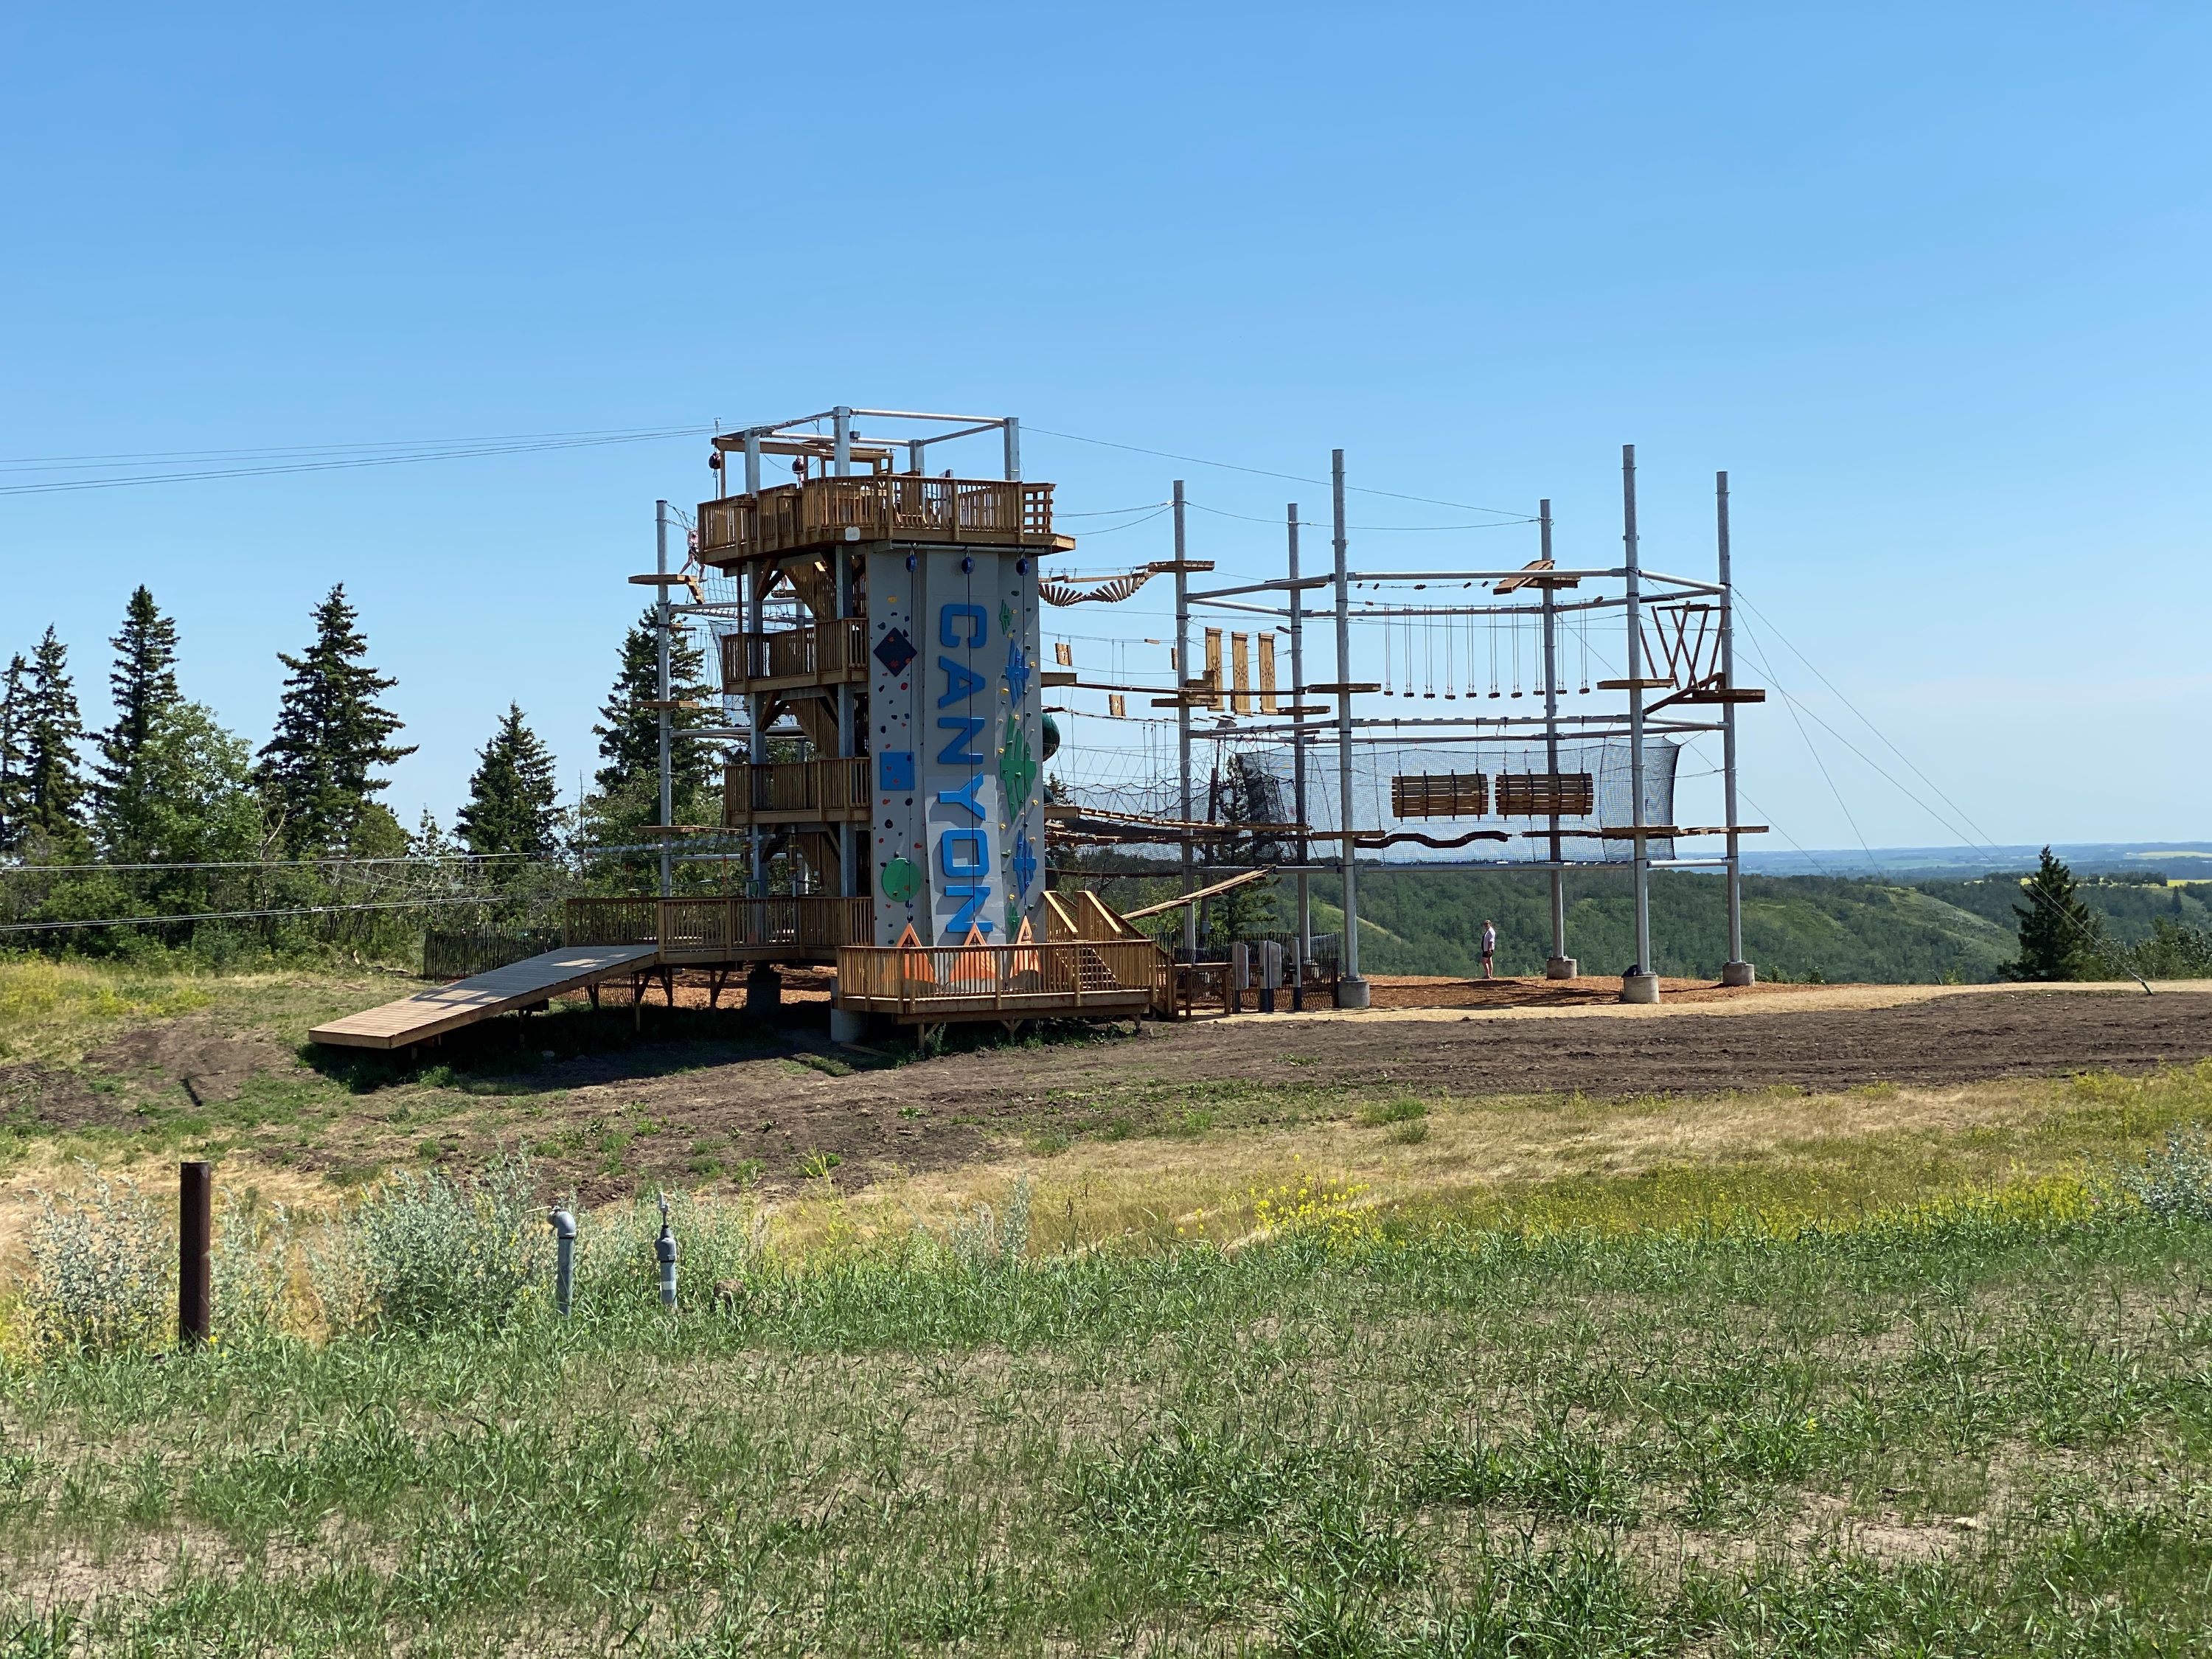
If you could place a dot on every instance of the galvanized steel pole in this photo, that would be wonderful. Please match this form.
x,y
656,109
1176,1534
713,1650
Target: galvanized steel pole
x,y
1736,970
1298,744
1183,724
1647,991
1559,966
667,776
1352,989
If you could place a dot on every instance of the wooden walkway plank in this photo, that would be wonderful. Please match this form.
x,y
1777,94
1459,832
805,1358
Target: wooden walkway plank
x,y
518,985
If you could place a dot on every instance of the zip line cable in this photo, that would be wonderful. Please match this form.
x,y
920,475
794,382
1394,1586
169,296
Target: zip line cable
x,y
2084,932
1773,679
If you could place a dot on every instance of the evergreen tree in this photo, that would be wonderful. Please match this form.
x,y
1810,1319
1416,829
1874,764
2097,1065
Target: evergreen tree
x,y
15,756
144,684
319,770
629,738
626,792
2060,937
513,798
53,776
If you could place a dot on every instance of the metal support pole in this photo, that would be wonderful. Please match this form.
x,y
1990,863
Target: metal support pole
x,y
1182,675
1560,965
195,1252
667,775
1013,431
756,704
1351,988
1642,985
848,739
1298,744
752,463
840,440
1736,970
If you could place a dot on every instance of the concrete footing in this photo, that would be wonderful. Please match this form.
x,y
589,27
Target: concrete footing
x,y
1640,987
763,990
846,1026
1562,968
1738,973
1352,993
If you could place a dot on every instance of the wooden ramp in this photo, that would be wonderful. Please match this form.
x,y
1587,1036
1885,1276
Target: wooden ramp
x,y
518,985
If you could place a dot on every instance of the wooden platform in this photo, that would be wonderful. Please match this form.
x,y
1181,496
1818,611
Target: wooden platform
x,y
518,985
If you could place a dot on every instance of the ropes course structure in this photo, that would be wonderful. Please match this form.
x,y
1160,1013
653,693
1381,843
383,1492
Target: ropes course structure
x,y
1459,713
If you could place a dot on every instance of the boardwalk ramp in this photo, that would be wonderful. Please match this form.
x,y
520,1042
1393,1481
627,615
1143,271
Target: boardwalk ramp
x,y
518,985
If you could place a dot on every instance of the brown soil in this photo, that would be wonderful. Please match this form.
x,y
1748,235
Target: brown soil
x,y
777,1111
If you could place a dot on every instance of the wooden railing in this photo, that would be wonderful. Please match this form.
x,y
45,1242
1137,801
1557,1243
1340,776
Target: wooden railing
x,y
708,928
795,791
815,654
884,507
1082,914
966,982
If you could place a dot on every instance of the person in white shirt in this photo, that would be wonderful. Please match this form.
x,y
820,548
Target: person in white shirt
x,y
1489,945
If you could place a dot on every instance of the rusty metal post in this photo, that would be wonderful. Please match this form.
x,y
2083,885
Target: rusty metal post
x,y
195,1251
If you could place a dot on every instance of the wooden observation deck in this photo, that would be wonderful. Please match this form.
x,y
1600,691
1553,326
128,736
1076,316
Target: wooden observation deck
x,y
885,506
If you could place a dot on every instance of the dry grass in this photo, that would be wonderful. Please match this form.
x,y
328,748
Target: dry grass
x,y
53,1011
1619,1165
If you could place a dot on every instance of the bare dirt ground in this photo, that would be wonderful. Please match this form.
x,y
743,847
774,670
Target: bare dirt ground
x,y
935,1113
776,1104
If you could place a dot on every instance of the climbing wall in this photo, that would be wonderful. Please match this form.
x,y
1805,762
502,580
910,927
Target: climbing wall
x,y
958,745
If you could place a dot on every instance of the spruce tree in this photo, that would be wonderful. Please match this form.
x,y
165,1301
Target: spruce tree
x,y
513,804
53,776
144,684
319,771
15,755
627,794
2060,937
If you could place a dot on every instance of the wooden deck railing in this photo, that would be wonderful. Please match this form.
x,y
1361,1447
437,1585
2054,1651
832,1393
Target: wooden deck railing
x,y
884,507
967,981
795,791
817,654
709,927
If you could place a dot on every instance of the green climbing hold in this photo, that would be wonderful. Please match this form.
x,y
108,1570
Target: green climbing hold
x,y
901,881
1005,617
1017,768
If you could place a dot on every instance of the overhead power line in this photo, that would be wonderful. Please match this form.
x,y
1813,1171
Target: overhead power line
x,y
256,463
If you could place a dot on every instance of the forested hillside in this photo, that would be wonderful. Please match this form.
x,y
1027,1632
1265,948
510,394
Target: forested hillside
x,y
1426,920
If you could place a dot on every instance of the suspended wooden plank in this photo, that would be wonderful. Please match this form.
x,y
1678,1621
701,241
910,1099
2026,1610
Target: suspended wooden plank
x,y
1240,667
1267,674
1546,794
1439,795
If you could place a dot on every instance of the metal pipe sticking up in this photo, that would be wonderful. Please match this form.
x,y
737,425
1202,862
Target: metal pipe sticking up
x,y
563,1223
664,1252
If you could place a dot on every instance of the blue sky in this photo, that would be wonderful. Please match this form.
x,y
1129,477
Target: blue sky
x,y
1930,282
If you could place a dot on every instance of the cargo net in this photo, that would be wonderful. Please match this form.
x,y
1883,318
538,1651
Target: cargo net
x,y
1441,793
1437,793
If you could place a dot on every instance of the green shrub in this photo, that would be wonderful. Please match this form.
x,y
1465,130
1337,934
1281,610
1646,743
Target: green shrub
x,y
426,1251
2175,1183
103,1270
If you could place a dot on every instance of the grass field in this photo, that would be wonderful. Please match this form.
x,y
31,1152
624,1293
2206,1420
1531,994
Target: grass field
x,y
1210,1369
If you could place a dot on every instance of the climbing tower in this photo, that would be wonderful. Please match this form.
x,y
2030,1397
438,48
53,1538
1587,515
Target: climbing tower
x,y
887,661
